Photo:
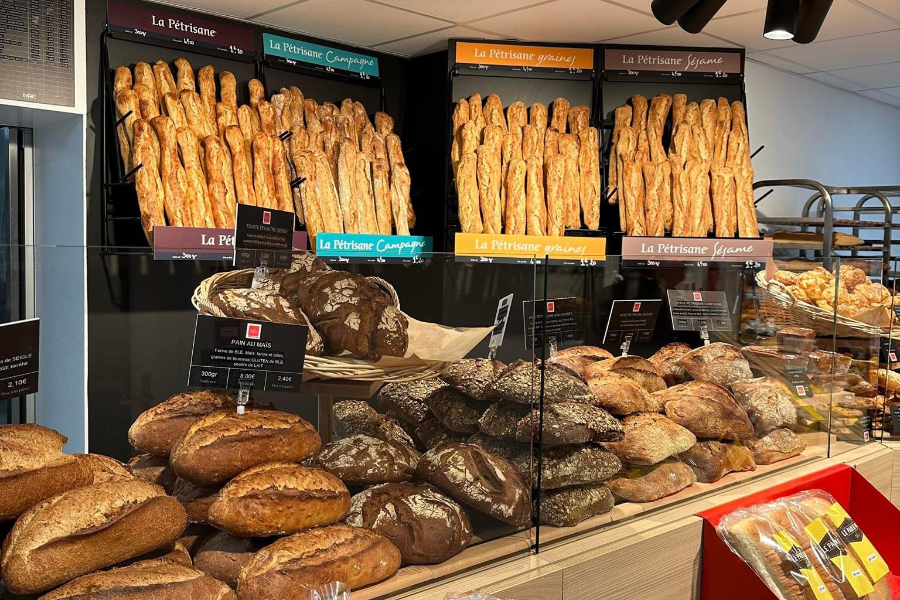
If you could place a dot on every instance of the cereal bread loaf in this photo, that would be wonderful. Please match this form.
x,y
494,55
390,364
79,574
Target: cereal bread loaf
x,y
407,399
708,411
426,526
564,466
355,556
224,443
86,529
353,417
650,438
570,506
33,434
652,483
479,479
712,460
776,445
454,410
364,460
767,402
104,468
157,429
431,433
719,363
521,381
473,376
153,469
279,499
222,555
501,419
569,423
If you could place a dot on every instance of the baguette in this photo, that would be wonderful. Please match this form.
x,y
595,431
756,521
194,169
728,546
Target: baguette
x,y
571,191
697,196
128,110
708,116
347,186
245,122
148,104
579,118
331,144
121,80
224,117
723,130
476,112
346,129
278,102
365,195
591,187
680,191
624,151
746,207
143,74
327,193
516,115
281,180
536,217
400,199
148,185
490,206
682,139
257,92
360,116
493,112
467,190
367,141
531,143
622,121
559,114
659,113
642,146
381,192
394,150
174,110
195,113
654,218
197,198
516,213
310,111
538,117
493,140
555,170
172,173
165,83
304,163
511,149
692,114
551,144
665,194
384,124
266,113
263,181
722,180
243,178
679,105
185,75
206,79
228,90
347,107
633,186
298,104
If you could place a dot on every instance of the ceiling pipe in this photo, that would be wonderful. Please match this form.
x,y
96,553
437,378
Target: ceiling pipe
x,y
669,11
694,20
810,19
781,19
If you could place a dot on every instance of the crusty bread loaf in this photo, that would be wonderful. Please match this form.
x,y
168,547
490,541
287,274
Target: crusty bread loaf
x,y
196,500
241,165
776,445
347,186
157,429
148,185
650,438
222,555
146,580
29,473
165,83
263,181
147,102
718,363
220,181
555,170
467,188
143,75
86,529
128,109
33,434
653,483
638,369
223,444
708,411
501,419
426,526
666,362
535,202
401,205
621,395
767,402
174,180
121,80
355,556
454,410
104,468
516,200
153,469
365,194
195,113
364,460
197,197
279,499
711,460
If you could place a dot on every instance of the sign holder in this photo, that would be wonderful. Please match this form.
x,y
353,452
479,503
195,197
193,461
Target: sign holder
x,y
19,358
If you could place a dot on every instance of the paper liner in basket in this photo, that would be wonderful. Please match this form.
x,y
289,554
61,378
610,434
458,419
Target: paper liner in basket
x,y
432,343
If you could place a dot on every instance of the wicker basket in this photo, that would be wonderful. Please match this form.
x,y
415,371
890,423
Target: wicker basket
x,y
321,367
779,306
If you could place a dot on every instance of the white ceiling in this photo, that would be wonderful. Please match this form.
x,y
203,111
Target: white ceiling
x,y
858,49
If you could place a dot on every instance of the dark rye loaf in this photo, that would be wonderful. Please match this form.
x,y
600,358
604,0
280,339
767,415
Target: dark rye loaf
x,y
364,460
473,376
569,423
353,417
521,382
407,399
455,410
570,506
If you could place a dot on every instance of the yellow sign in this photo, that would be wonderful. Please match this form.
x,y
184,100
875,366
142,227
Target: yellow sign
x,y
536,57
577,250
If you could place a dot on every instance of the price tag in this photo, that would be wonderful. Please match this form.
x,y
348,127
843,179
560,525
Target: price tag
x,y
264,356
263,236
698,310
895,417
798,381
896,308
566,321
889,352
500,321
19,354
634,318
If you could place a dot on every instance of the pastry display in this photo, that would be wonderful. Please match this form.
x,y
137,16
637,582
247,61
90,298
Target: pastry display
x,y
702,184
528,171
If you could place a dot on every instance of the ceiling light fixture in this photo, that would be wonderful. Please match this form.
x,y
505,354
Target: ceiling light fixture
x,y
669,11
781,19
810,19
695,19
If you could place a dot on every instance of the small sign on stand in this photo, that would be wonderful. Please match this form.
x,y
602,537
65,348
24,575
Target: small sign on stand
x,y
699,310
263,236
565,318
798,381
19,358
632,320
500,321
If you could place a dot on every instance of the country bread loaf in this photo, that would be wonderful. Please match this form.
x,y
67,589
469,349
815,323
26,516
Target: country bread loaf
x,y
576,365
622,396
355,556
33,434
407,399
153,469
196,500
776,445
501,419
194,535
454,410
473,376
711,460
157,429
666,361
224,443
647,484
767,403
426,526
638,369
279,499
86,529
104,468
569,423
431,433
31,473
145,580
222,555
569,506
650,438
354,417
718,363
708,411
521,381
595,352
564,466
364,460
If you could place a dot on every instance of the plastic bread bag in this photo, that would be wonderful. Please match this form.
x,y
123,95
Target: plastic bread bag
x,y
774,552
827,514
330,591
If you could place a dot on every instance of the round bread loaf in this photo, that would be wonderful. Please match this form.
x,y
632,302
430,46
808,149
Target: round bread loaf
x,y
521,382
364,460
33,435
224,443
569,423
196,500
473,376
666,362
157,429
30,473
407,399
650,438
767,402
154,469
480,479
104,468
594,352
87,529
426,526
708,411
621,395
279,499
352,417
355,556
432,433
718,363
223,555
639,370
146,580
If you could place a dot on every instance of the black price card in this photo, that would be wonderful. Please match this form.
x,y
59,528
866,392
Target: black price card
x,y
565,321
896,308
895,417
19,354
500,321
267,357
889,352
263,236
632,319
692,311
798,381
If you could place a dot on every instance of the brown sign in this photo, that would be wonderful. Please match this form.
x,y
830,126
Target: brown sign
x,y
695,249
201,243
678,61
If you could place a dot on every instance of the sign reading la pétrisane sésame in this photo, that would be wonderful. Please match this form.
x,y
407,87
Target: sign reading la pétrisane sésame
x,y
292,52
714,63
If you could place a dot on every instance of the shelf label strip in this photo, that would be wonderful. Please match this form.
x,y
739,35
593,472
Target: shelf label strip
x,y
701,249
351,247
564,59
486,247
292,51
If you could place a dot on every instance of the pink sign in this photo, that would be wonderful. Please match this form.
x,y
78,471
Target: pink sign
x,y
696,249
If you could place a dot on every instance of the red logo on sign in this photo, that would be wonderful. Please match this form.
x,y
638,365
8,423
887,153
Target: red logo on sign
x,y
801,391
636,307
267,217
551,306
865,436
254,330
697,296
893,356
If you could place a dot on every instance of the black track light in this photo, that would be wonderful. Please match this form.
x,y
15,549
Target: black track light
x,y
694,20
810,19
669,11
781,19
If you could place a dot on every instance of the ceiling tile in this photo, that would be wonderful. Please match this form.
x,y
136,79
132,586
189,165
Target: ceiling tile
x,y
889,7
881,96
848,18
893,91
234,8
336,21
848,52
780,63
670,36
460,11
431,41
744,30
731,6
875,76
570,21
834,80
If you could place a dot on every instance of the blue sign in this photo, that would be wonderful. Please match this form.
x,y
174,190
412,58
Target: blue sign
x,y
292,51
351,247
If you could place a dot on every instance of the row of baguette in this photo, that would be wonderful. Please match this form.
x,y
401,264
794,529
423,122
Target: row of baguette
x,y
526,171
202,154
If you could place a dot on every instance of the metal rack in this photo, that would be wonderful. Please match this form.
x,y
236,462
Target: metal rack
x,y
821,215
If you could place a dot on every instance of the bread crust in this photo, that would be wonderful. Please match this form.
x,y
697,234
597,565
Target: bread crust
x,y
197,198
174,179
240,166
